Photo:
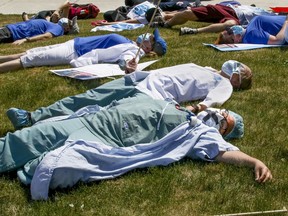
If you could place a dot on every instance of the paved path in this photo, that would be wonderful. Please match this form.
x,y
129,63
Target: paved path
x,y
33,6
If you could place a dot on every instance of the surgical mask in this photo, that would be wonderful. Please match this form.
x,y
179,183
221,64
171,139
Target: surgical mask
x,y
236,30
142,37
230,67
211,117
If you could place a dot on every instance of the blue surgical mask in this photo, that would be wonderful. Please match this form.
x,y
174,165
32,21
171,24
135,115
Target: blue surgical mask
x,y
142,37
237,30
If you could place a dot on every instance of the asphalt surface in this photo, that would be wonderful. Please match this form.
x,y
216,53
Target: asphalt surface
x,y
33,6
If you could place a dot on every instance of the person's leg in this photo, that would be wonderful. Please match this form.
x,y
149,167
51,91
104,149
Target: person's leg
x,y
217,27
8,58
181,18
102,96
19,147
64,9
221,16
210,13
11,66
59,54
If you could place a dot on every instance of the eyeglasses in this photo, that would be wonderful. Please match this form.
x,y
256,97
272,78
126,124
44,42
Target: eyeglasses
x,y
224,122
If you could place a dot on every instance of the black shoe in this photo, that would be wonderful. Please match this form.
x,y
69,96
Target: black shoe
x,y
186,30
157,24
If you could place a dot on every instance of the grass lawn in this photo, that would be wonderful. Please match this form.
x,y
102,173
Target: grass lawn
x,y
183,188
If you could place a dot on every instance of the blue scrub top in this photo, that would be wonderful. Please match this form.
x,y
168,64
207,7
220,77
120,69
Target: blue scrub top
x,y
261,27
83,45
34,27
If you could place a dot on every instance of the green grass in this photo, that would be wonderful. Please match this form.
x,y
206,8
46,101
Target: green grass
x,y
183,188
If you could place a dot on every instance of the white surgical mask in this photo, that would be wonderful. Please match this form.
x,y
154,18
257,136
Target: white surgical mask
x,y
63,21
142,37
230,67
211,117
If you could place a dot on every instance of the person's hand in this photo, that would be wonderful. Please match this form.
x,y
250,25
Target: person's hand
x,y
191,108
131,66
19,42
196,108
100,23
262,173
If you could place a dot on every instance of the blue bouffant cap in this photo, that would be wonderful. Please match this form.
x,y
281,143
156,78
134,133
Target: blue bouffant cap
x,y
160,46
238,129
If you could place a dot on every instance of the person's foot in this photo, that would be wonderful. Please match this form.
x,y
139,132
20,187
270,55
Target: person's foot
x,y
186,30
156,24
24,16
19,118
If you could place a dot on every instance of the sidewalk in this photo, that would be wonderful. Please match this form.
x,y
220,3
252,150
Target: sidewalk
x,y
33,6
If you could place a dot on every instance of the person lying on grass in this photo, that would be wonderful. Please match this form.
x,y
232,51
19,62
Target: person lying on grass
x,y
271,30
82,51
51,15
221,15
37,29
182,83
106,142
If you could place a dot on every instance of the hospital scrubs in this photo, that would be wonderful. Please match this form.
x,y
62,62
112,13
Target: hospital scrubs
x,y
83,51
186,82
124,123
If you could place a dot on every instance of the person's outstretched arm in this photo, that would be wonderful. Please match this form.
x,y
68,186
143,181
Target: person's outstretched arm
x,y
217,27
262,173
46,35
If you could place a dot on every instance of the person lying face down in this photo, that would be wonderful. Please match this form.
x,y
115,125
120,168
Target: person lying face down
x,y
182,83
261,30
82,51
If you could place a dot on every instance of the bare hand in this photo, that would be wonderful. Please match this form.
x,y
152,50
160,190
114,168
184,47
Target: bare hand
x,y
262,173
191,108
19,42
131,66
